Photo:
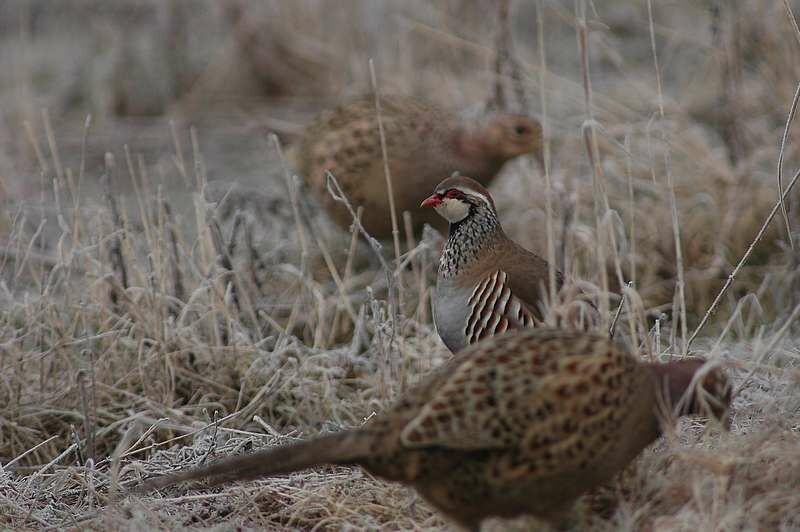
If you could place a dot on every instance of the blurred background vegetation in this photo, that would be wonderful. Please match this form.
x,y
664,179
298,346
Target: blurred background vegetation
x,y
238,70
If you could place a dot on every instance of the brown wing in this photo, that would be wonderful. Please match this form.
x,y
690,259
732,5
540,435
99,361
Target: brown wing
x,y
494,308
528,277
551,399
510,298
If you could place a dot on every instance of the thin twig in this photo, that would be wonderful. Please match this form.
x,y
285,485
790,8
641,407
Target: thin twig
x,y
177,274
7,466
37,149
744,258
497,97
51,141
117,259
599,194
548,185
298,220
617,314
86,411
339,196
676,233
130,450
631,212
28,255
180,162
388,175
784,138
51,463
792,19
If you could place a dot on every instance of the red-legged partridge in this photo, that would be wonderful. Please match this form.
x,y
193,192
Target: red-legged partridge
x,y
522,423
423,143
487,283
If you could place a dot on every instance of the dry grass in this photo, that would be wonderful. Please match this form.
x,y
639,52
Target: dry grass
x,y
156,315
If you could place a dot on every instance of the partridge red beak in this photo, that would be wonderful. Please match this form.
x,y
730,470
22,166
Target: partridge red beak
x,y
433,201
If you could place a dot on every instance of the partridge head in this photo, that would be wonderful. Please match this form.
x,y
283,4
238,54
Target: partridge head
x,y
423,143
522,423
487,283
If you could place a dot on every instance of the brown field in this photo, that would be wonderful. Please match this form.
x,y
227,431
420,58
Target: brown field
x,y
169,294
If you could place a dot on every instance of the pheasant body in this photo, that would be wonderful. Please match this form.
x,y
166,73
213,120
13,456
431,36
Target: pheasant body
x,y
522,423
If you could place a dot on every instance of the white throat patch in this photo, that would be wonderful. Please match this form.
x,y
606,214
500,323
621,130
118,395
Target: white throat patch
x,y
453,210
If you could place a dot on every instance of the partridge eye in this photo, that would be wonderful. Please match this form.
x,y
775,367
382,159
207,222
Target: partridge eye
x,y
453,193
520,130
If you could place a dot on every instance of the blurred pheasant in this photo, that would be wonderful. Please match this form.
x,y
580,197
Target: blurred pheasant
x,y
487,283
522,423
423,143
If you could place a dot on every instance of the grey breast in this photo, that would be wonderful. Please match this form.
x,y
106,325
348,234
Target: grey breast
x,y
450,311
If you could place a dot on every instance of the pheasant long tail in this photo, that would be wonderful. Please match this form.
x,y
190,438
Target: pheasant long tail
x,y
339,448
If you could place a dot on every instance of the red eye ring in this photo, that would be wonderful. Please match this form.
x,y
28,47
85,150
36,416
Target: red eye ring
x,y
453,193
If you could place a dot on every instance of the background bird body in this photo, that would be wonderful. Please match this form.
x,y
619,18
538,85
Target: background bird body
x,y
424,143
520,424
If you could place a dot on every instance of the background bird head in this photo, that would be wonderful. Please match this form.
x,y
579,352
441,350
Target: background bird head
x,y
515,135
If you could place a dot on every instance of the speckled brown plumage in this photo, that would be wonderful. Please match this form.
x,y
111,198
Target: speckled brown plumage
x,y
522,423
424,144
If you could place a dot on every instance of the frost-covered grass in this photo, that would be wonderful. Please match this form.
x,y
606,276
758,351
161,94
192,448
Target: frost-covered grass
x,y
169,294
